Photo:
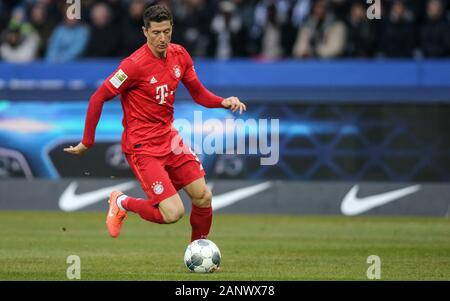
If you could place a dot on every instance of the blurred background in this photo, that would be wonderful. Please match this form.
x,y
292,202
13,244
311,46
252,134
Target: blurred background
x,y
226,29
359,100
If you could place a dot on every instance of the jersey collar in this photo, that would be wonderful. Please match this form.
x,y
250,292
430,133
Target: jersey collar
x,y
154,56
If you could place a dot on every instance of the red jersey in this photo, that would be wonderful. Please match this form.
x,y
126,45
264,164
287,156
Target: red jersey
x,y
147,85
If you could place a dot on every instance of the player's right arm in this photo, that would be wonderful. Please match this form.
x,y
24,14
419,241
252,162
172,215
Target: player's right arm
x,y
119,81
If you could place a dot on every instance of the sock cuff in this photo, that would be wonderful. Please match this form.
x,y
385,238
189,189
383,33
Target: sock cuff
x,y
119,201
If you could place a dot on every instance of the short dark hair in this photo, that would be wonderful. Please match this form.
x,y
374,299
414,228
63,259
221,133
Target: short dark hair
x,y
157,13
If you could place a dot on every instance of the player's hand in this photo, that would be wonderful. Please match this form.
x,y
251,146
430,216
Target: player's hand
x,y
233,103
77,150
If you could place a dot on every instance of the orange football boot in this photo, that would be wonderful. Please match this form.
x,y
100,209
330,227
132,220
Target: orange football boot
x,y
115,216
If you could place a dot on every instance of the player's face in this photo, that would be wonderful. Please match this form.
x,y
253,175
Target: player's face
x,y
158,36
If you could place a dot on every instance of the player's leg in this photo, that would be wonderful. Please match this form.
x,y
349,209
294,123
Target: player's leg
x,y
172,209
164,205
168,211
201,213
199,193
186,171
159,189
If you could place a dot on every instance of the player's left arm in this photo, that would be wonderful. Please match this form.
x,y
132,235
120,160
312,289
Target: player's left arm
x,y
206,98
203,96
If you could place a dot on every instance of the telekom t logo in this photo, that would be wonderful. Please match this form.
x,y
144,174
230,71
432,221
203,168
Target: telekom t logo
x,y
161,93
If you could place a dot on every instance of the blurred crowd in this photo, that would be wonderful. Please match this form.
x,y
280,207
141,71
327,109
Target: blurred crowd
x,y
222,29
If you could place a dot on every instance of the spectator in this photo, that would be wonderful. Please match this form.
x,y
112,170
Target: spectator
x,y
43,26
398,32
6,6
4,16
419,10
300,12
227,33
323,36
68,41
20,41
342,7
289,28
104,40
225,29
20,44
271,47
435,33
245,11
361,33
267,33
132,36
194,17
116,8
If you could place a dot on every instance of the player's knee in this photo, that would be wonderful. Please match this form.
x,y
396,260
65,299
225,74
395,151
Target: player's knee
x,y
203,200
174,215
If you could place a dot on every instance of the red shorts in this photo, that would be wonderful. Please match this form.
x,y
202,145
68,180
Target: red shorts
x,y
161,177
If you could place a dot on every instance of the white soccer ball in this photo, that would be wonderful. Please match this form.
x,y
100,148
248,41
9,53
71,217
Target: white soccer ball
x,y
202,256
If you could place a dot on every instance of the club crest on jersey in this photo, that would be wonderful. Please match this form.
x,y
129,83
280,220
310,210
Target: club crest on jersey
x,y
177,71
157,187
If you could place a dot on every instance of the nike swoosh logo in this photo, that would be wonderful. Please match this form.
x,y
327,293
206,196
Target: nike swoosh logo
x,y
352,205
70,201
228,198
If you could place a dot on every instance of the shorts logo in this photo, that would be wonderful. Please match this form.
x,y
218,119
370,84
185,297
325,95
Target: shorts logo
x,y
118,79
177,71
157,187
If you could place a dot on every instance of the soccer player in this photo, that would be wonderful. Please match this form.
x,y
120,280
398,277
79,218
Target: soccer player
x,y
147,81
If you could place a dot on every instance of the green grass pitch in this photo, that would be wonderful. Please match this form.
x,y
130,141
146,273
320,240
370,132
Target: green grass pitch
x,y
35,246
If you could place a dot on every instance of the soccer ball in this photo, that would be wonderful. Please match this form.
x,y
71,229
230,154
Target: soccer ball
x,y
202,256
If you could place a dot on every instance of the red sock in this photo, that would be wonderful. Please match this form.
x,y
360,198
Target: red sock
x,y
201,220
144,209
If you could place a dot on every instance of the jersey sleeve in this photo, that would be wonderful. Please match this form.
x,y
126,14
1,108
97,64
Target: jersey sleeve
x,y
203,96
199,93
93,113
123,78
189,73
